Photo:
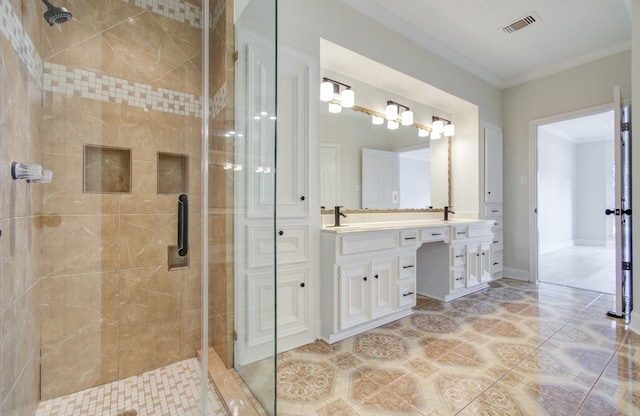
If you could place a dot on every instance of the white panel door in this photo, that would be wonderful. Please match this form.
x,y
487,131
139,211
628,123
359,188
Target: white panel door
x,y
379,179
293,313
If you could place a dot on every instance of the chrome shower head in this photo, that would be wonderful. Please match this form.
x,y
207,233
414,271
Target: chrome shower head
x,y
56,15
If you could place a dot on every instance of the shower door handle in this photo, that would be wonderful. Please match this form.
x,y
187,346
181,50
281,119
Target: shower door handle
x,y
183,225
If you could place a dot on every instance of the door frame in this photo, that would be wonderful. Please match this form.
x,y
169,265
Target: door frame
x,y
533,176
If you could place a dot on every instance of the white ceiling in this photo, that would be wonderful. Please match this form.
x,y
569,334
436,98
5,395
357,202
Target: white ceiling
x,y
469,33
591,128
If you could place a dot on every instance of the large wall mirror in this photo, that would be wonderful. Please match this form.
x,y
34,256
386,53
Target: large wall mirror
x,y
365,166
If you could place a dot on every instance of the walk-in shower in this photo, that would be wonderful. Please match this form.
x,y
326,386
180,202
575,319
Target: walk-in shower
x,y
109,297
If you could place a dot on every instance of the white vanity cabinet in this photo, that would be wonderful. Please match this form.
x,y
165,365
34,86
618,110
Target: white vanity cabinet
x,y
368,279
493,199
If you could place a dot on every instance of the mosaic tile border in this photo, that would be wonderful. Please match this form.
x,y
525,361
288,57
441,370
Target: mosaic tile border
x,y
170,390
101,87
12,29
180,11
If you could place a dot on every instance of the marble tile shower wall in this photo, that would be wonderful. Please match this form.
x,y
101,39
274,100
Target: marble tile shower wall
x,y
123,74
20,212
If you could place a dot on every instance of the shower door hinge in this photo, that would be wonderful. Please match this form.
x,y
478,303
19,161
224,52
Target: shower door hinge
x,y
625,127
235,336
626,265
235,56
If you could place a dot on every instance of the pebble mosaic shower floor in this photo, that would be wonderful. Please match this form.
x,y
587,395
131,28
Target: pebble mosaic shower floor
x,y
167,391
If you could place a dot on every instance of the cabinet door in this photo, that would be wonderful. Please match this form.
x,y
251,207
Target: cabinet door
x,y
293,137
383,284
493,165
474,253
486,262
354,294
293,298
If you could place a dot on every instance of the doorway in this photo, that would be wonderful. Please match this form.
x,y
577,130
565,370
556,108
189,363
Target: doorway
x,y
575,181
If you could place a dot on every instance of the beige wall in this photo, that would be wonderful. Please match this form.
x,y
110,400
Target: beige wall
x,y
20,134
577,88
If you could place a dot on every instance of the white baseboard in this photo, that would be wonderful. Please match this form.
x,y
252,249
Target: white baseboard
x,y
594,243
635,322
516,274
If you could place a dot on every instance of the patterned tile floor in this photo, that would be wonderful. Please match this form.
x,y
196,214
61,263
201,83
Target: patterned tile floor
x,y
512,349
168,391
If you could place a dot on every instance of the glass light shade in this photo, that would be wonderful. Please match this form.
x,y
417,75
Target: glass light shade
x,y
392,124
407,118
326,91
377,120
348,98
391,112
438,126
423,133
449,130
335,108
435,135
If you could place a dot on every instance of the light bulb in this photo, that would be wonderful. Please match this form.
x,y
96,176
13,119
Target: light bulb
x,y
438,126
449,130
423,133
377,120
326,91
348,98
335,108
435,135
407,118
391,112
392,124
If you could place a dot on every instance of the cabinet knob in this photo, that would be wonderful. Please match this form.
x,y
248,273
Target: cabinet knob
x,y
376,276
302,284
281,232
302,198
364,278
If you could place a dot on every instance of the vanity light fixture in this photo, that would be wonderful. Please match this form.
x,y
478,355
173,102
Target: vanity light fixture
x,y
330,92
443,127
392,124
393,109
335,108
435,135
423,132
377,120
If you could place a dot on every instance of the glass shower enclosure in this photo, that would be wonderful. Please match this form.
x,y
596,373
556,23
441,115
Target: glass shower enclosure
x,y
119,278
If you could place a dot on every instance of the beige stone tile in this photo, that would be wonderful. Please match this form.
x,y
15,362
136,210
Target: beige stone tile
x,y
78,304
190,333
146,347
150,132
91,357
142,52
144,240
149,294
15,256
103,14
79,244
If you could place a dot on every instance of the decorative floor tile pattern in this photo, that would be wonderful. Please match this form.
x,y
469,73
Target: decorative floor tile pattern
x,y
167,391
512,349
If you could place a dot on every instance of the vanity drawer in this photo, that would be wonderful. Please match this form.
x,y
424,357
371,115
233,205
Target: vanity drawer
x,y
480,231
497,241
458,277
493,210
458,256
496,262
459,232
407,267
368,242
406,294
409,238
434,234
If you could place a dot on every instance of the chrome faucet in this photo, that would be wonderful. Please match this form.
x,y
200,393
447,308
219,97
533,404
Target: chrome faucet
x,y
447,211
338,214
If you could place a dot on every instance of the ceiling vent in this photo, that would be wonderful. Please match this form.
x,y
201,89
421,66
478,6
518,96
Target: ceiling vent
x,y
521,23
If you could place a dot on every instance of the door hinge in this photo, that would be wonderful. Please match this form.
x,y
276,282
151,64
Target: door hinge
x,y
625,126
626,265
